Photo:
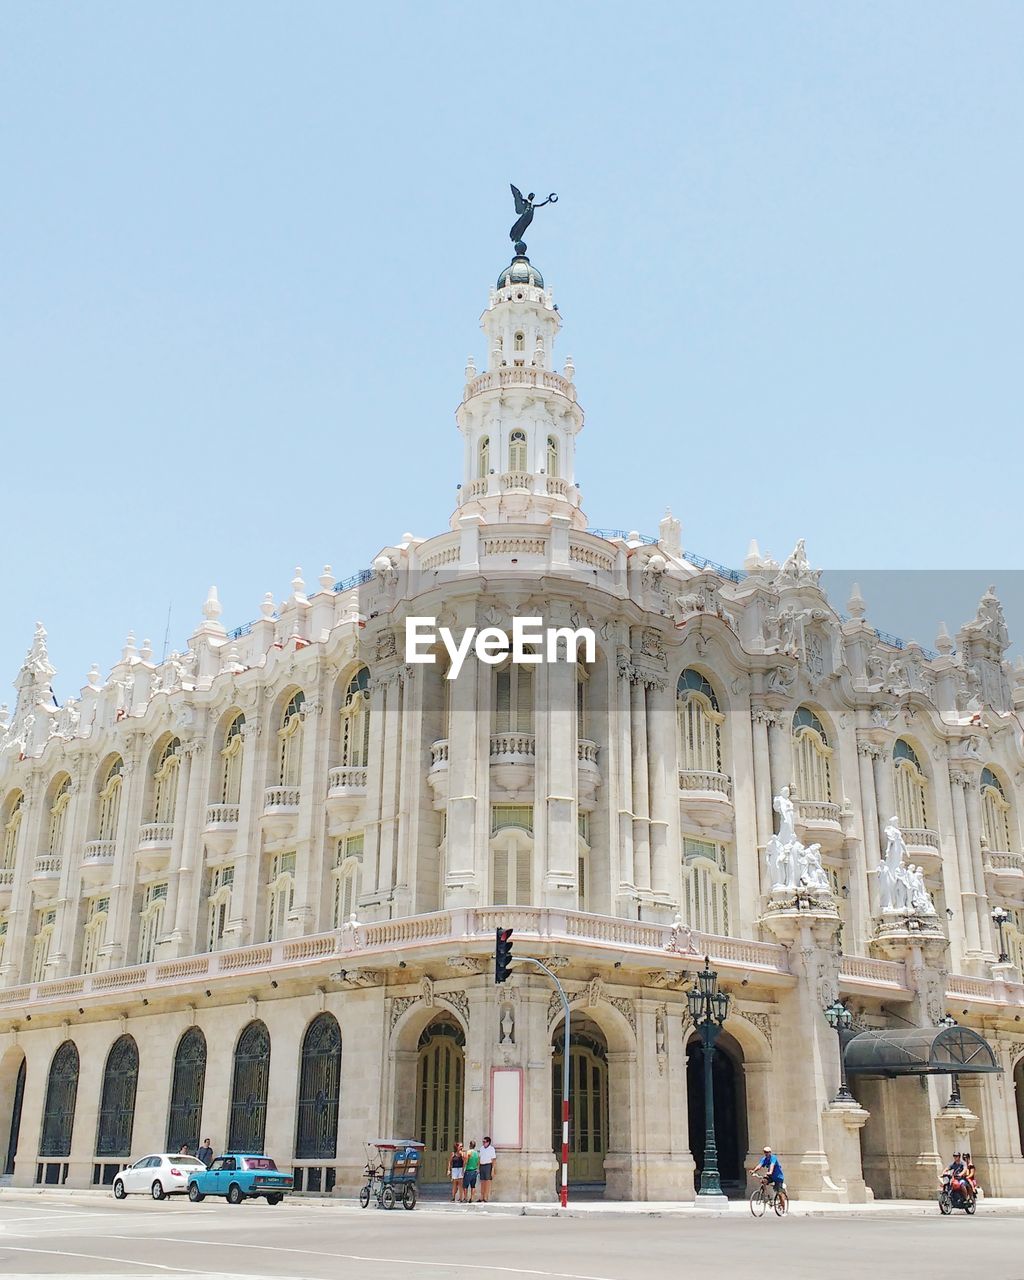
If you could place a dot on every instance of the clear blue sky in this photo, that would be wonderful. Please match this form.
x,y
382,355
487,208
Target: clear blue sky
x,y
246,245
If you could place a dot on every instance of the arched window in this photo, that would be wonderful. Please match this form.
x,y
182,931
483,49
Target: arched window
x,y
110,800
94,932
995,811
512,854
911,787
165,781
355,721
513,698
484,458
218,907
117,1102
552,456
59,1108
280,894
700,724
707,886
58,817
231,762
15,810
151,922
290,742
582,716
187,1083
812,757
316,1135
517,451
519,344
249,1084
347,863
46,920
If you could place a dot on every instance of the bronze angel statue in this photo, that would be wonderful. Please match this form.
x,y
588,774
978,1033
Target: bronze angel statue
x,y
525,207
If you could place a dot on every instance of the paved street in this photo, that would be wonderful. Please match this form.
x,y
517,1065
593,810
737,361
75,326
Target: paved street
x,y
67,1235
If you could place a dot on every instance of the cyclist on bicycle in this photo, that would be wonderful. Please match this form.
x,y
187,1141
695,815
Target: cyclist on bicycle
x,y
770,1169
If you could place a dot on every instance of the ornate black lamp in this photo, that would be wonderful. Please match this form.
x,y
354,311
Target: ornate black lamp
x,y
840,1019
1000,916
947,1020
709,1009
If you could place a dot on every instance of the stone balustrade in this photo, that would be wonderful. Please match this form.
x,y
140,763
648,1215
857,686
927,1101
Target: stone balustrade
x,y
98,852
512,746
347,778
818,811
222,815
439,754
153,834
282,797
703,780
47,866
520,376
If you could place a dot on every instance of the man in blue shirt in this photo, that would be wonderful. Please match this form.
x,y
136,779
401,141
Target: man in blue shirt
x,y
773,1172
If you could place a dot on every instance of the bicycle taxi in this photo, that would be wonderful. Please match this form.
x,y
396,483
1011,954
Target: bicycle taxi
x,y
392,1171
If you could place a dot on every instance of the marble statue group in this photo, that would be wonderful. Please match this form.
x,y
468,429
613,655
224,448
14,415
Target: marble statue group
x,y
901,887
791,864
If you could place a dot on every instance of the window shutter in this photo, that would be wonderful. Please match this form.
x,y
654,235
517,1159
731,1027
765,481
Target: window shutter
x,y
524,857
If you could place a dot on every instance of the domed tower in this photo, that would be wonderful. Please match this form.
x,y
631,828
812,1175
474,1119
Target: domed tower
x,y
519,419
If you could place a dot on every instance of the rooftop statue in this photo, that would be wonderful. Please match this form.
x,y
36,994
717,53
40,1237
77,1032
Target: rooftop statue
x,y
525,207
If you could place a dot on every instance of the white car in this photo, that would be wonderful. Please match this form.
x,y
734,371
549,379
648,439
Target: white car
x,y
158,1176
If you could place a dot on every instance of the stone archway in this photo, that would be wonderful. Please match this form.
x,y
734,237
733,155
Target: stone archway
x,y
730,1096
13,1073
440,1093
588,1100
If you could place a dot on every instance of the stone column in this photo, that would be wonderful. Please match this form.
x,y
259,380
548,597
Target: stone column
x,y
120,930
623,742
975,834
468,790
780,751
760,717
739,757
557,764
641,817
190,872
20,914
241,927
959,782
62,955
664,793
390,802
181,816
668,1168
304,916
867,754
375,766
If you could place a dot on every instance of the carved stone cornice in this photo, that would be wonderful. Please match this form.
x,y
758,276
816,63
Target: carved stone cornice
x,y
873,750
961,778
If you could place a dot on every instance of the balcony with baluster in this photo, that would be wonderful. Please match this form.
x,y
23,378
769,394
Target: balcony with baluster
x,y
221,828
1004,870
513,758
588,770
46,869
346,791
706,796
437,775
924,848
153,851
97,862
281,811
820,822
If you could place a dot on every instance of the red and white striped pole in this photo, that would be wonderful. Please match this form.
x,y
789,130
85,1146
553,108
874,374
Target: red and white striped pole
x,y
565,1153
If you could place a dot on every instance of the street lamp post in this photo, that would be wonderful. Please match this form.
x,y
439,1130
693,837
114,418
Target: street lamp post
x,y
709,1009
1000,916
840,1019
947,1020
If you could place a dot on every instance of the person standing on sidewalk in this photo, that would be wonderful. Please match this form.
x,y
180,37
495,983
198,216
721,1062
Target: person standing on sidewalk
x,y
456,1162
488,1156
205,1153
469,1173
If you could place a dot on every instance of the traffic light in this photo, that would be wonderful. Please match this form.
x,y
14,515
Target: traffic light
x,y
502,954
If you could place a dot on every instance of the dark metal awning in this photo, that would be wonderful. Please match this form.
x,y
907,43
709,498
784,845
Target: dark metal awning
x,y
919,1051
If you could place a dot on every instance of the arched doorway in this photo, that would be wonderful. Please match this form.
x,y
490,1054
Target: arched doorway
x,y
17,1097
440,1093
187,1085
249,1085
117,1101
316,1136
588,1099
59,1108
730,1110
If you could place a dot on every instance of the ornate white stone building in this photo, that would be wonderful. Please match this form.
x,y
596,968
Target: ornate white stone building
x,y
251,891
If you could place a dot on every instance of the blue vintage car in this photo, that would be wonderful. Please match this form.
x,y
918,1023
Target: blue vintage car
x,y
240,1176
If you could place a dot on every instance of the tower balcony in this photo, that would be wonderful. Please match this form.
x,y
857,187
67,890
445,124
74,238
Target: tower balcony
x,y
221,828
706,796
1005,870
437,775
587,771
820,822
346,791
154,847
513,757
46,871
520,376
281,811
923,848
97,861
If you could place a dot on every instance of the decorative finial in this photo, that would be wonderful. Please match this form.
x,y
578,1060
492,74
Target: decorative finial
x,y
525,207
146,652
129,653
298,588
94,679
267,607
326,578
470,368
752,560
212,609
944,641
856,606
569,369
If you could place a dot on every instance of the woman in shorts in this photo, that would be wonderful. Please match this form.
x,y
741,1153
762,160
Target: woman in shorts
x,y
456,1164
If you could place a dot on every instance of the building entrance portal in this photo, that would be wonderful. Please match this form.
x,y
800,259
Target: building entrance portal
x,y
440,1094
730,1110
588,1100
15,1127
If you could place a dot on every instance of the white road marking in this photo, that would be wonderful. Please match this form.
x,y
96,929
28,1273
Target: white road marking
x,y
359,1257
124,1262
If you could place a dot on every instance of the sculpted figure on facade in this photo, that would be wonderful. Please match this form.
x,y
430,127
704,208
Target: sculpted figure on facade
x,y
901,887
791,865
